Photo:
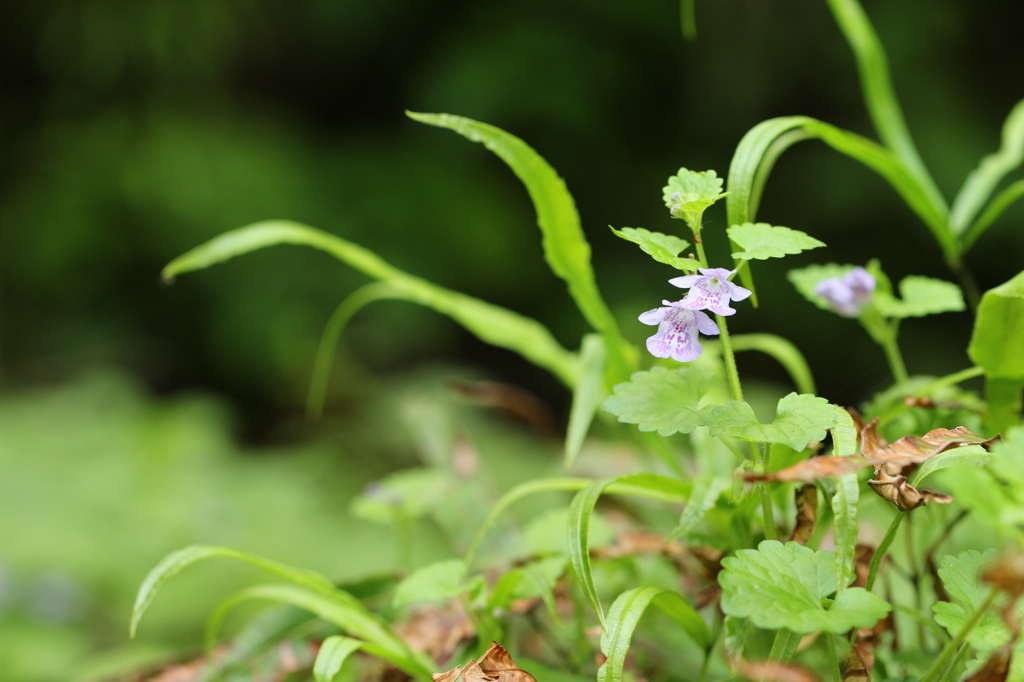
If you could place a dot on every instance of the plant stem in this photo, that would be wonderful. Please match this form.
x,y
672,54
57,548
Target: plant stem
x,y
833,656
892,354
780,647
890,535
953,645
956,663
731,373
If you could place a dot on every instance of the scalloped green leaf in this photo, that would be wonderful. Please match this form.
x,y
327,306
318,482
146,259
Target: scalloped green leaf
x,y
334,651
624,616
921,296
799,419
662,400
785,586
433,582
701,188
664,248
490,323
960,577
761,241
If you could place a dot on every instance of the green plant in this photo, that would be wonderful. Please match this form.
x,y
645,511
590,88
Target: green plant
x,y
746,596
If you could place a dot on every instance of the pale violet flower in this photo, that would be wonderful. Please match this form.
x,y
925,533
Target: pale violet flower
x,y
677,331
848,295
710,290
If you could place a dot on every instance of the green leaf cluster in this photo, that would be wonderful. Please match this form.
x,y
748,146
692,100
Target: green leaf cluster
x,y
761,241
790,586
664,248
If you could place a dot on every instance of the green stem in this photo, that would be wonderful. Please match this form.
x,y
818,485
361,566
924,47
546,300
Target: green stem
x,y
731,373
890,535
769,514
892,354
833,656
951,670
953,645
781,646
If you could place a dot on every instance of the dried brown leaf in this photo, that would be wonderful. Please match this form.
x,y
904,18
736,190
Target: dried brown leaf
x,y
1007,573
915,449
806,513
772,671
857,669
814,469
496,661
906,497
862,556
996,668
438,631
471,673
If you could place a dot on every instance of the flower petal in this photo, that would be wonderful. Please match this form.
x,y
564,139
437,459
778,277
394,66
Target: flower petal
x,y
685,282
706,325
654,316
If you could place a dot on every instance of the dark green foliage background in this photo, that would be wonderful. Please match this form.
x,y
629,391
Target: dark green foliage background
x,y
133,131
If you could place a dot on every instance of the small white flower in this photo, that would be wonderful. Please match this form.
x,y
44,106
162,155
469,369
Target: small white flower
x,y
711,290
677,331
848,295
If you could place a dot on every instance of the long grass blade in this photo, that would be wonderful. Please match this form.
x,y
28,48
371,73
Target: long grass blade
x,y
982,181
565,246
587,397
492,324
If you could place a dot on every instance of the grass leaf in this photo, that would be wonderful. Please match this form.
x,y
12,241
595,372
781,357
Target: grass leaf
x,y
844,508
492,324
565,246
332,655
586,397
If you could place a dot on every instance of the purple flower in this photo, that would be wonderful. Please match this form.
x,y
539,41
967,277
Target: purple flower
x,y
849,294
710,290
677,331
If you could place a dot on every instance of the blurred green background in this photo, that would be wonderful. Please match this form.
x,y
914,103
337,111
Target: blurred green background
x,y
136,418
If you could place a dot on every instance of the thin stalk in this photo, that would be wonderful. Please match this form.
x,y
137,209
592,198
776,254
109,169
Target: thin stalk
x,y
833,656
953,645
915,575
716,630
951,670
731,373
892,354
890,535
780,647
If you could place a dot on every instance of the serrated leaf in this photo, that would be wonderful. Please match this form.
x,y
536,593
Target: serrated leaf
x,y
663,248
800,419
783,586
699,189
624,616
921,296
961,579
433,582
492,324
334,651
662,400
587,395
565,246
761,241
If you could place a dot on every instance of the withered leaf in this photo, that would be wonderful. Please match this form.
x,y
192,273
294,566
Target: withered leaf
x,y
996,668
498,663
857,669
806,513
862,556
814,469
897,490
915,449
772,671
471,673
1007,573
